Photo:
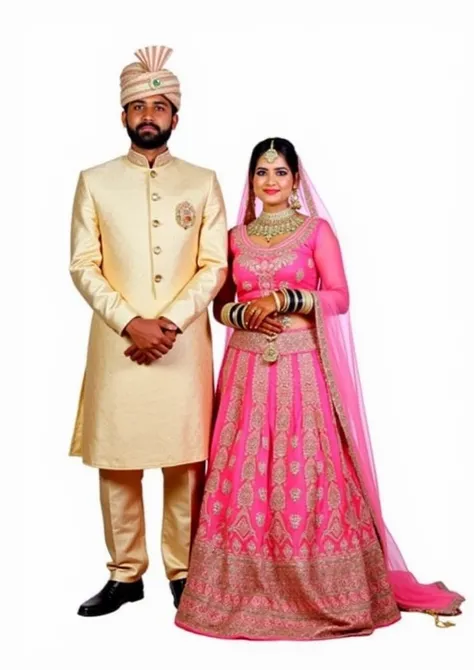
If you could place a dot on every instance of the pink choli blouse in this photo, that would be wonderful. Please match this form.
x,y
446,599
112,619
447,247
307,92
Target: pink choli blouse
x,y
310,259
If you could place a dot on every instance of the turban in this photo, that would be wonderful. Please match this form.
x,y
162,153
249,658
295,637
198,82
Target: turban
x,y
148,77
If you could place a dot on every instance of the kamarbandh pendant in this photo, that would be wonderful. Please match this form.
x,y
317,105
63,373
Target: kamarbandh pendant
x,y
271,353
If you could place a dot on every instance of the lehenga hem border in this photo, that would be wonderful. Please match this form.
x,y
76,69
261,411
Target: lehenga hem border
x,y
270,638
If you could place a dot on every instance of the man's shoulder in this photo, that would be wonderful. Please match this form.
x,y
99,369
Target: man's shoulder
x,y
109,167
197,171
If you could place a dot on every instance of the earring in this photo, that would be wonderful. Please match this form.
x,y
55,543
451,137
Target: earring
x,y
294,201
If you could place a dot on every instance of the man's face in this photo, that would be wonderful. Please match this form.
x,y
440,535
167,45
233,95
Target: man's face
x,y
150,122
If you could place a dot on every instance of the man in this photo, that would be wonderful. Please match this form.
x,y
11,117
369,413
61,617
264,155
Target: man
x,y
148,253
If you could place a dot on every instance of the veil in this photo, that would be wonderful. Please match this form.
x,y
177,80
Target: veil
x,y
338,357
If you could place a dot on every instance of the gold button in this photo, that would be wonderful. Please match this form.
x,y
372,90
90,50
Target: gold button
x,y
153,174
155,196
156,223
157,250
158,278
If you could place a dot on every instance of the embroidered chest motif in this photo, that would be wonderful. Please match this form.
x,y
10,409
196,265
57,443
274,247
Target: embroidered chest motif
x,y
264,263
185,215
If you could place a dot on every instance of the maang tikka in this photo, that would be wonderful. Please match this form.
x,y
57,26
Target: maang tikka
x,y
271,154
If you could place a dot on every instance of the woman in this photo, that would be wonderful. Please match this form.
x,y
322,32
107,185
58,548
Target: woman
x,y
291,541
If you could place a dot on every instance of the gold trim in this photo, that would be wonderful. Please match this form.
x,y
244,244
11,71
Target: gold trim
x,y
289,342
140,160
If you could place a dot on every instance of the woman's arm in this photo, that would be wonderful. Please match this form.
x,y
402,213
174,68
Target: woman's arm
x,y
334,293
228,290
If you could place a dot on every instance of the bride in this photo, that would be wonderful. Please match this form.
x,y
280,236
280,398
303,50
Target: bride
x,y
291,542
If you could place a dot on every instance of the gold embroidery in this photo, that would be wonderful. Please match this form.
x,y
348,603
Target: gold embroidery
x,y
248,470
229,431
263,262
245,496
226,487
291,599
185,215
289,342
294,467
295,494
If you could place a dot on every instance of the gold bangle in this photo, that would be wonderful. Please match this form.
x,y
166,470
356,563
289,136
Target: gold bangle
x,y
307,302
276,297
225,314
243,316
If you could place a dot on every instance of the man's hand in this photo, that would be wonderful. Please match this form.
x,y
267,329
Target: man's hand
x,y
152,339
166,324
142,356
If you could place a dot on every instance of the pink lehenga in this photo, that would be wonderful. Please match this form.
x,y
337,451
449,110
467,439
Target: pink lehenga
x,y
291,542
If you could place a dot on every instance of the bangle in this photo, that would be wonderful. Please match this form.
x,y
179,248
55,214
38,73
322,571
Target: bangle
x,y
233,315
284,307
276,298
239,317
225,314
296,301
291,301
308,302
244,322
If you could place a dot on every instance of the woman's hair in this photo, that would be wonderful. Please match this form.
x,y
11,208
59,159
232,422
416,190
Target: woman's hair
x,y
283,147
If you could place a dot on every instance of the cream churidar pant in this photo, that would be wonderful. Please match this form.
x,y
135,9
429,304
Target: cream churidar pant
x,y
124,520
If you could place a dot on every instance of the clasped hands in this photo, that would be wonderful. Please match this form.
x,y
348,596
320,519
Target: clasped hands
x,y
151,339
261,314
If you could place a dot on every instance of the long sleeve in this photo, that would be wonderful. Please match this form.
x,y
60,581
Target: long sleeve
x,y
228,289
334,293
211,272
86,262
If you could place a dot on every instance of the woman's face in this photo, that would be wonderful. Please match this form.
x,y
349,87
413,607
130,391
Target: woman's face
x,y
273,182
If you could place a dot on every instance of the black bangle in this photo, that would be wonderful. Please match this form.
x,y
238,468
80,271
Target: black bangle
x,y
299,301
239,317
291,301
232,314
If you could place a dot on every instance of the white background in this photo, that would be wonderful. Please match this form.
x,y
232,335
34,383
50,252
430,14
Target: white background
x,y
378,99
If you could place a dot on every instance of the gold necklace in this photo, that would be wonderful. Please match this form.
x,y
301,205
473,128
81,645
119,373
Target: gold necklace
x,y
270,225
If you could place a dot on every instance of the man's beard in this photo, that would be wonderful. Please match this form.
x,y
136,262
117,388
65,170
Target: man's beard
x,y
149,140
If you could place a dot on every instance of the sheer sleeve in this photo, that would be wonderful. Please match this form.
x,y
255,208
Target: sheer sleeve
x,y
334,291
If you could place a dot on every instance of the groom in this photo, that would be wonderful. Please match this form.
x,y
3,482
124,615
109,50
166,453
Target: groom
x,y
148,253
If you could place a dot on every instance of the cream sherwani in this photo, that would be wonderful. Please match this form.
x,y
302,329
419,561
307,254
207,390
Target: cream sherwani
x,y
147,242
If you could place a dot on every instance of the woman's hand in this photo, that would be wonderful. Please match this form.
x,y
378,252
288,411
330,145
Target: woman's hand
x,y
258,310
270,326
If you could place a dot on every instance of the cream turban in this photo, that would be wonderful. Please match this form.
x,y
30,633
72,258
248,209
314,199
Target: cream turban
x,y
148,77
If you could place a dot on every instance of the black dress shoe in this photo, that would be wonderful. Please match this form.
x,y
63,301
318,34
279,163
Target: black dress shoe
x,y
113,595
177,588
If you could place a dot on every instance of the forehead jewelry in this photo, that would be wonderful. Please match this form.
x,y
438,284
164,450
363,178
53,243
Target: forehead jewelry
x,y
271,154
